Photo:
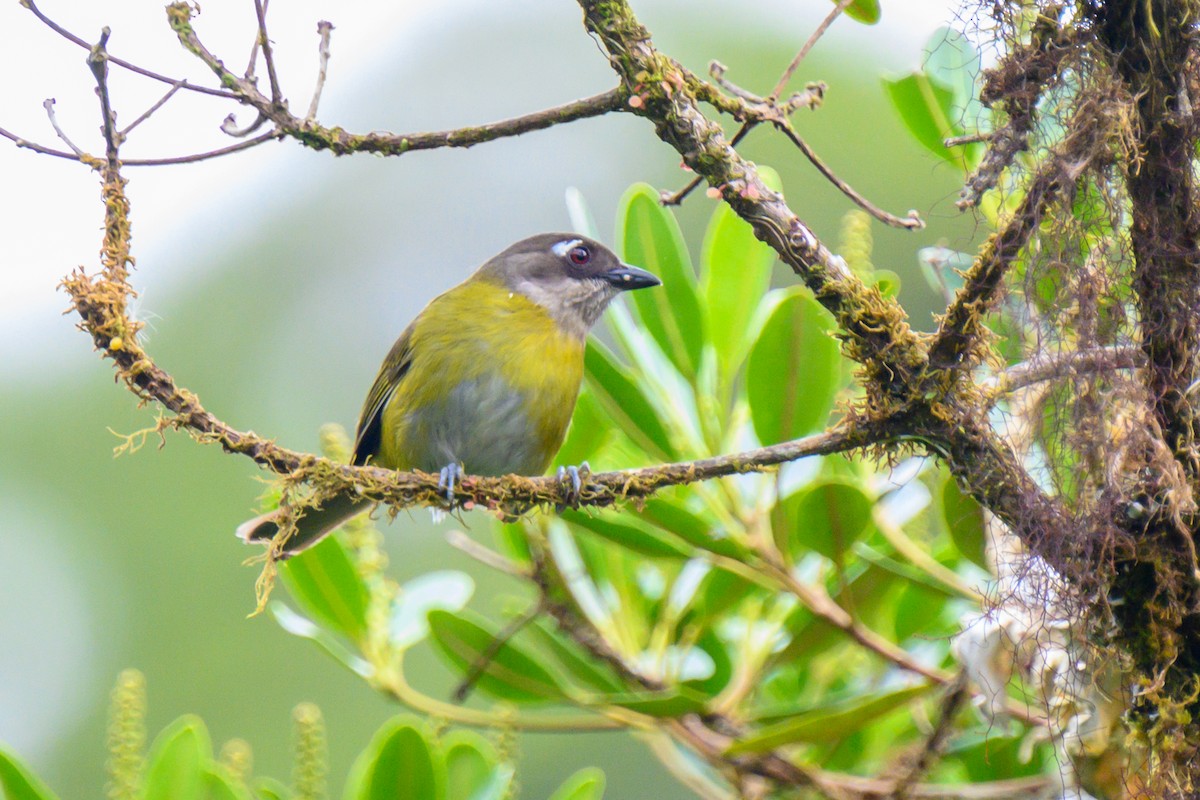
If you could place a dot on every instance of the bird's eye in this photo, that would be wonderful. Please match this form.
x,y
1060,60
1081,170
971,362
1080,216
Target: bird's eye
x,y
579,255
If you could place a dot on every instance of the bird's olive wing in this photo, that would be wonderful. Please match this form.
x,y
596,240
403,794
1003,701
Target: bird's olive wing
x,y
370,421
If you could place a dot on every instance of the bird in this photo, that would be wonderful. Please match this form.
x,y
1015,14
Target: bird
x,y
484,380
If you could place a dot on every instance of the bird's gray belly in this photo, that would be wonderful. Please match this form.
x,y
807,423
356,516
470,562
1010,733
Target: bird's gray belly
x,y
482,425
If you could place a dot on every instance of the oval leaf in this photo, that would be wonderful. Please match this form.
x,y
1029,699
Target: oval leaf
x,y
176,764
964,520
398,764
827,722
19,782
827,518
587,784
221,785
271,789
510,674
620,396
673,702
691,528
735,270
793,372
470,761
646,541
927,110
865,11
445,589
649,237
326,585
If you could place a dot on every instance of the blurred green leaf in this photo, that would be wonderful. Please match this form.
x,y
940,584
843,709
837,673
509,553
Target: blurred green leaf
x,y
586,784
964,520
926,107
223,786
624,401
510,674
888,282
693,529
305,628
672,702
398,764
865,11
735,273
582,219
271,789
19,782
582,668
711,644
176,764
327,587
720,591
448,590
472,769
589,430
644,540
649,237
826,722
827,518
794,370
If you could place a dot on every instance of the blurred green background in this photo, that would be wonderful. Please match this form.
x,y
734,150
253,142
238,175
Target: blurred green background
x,y
275,294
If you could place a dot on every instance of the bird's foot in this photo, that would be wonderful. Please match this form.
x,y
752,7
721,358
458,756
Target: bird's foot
x,y
448,480
574,478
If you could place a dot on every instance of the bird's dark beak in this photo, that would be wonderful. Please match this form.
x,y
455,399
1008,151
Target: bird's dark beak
x,y
626,277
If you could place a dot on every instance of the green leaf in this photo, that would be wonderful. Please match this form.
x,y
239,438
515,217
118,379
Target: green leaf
x,y
620,396
865,11
586,784
644,540
305,628
582,220
691,528
794,370
588,433
964,520
19,782
176,764
399,764
445,589
271,789
735,273
827,518
580,667
672,702
327,587
470,763
510,674
927,110
649,237
221,785
827,722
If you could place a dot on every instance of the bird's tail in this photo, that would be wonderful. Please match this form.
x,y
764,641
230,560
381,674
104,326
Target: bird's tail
x,y
315,525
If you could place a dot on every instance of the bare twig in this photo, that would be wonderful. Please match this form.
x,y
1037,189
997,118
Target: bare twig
x,y
1062,365
39,148
782,83
325,29
48,104
230,127
489,558
264,41
912,222
957,693
66,34
98,62
150,111
968,138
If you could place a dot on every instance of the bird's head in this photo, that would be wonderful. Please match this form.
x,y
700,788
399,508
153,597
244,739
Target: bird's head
x,y
571,276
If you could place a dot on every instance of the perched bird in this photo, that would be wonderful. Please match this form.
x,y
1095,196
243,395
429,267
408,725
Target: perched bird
x,y
485,379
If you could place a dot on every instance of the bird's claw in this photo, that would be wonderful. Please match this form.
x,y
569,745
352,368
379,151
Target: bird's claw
x,y
448,480
576,476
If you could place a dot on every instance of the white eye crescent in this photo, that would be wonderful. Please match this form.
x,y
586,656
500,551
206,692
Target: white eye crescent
x,y
562,248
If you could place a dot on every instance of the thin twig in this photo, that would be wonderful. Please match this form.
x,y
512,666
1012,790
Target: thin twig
x,y
70,37
230,128
481,663
150,111
489,558
98,62
968,138
260,11
324,28
912,222
38,148
1061,365
956,694
48,104
808,45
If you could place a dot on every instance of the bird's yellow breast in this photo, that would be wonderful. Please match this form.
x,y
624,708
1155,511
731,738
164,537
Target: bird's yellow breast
x,y
492,375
